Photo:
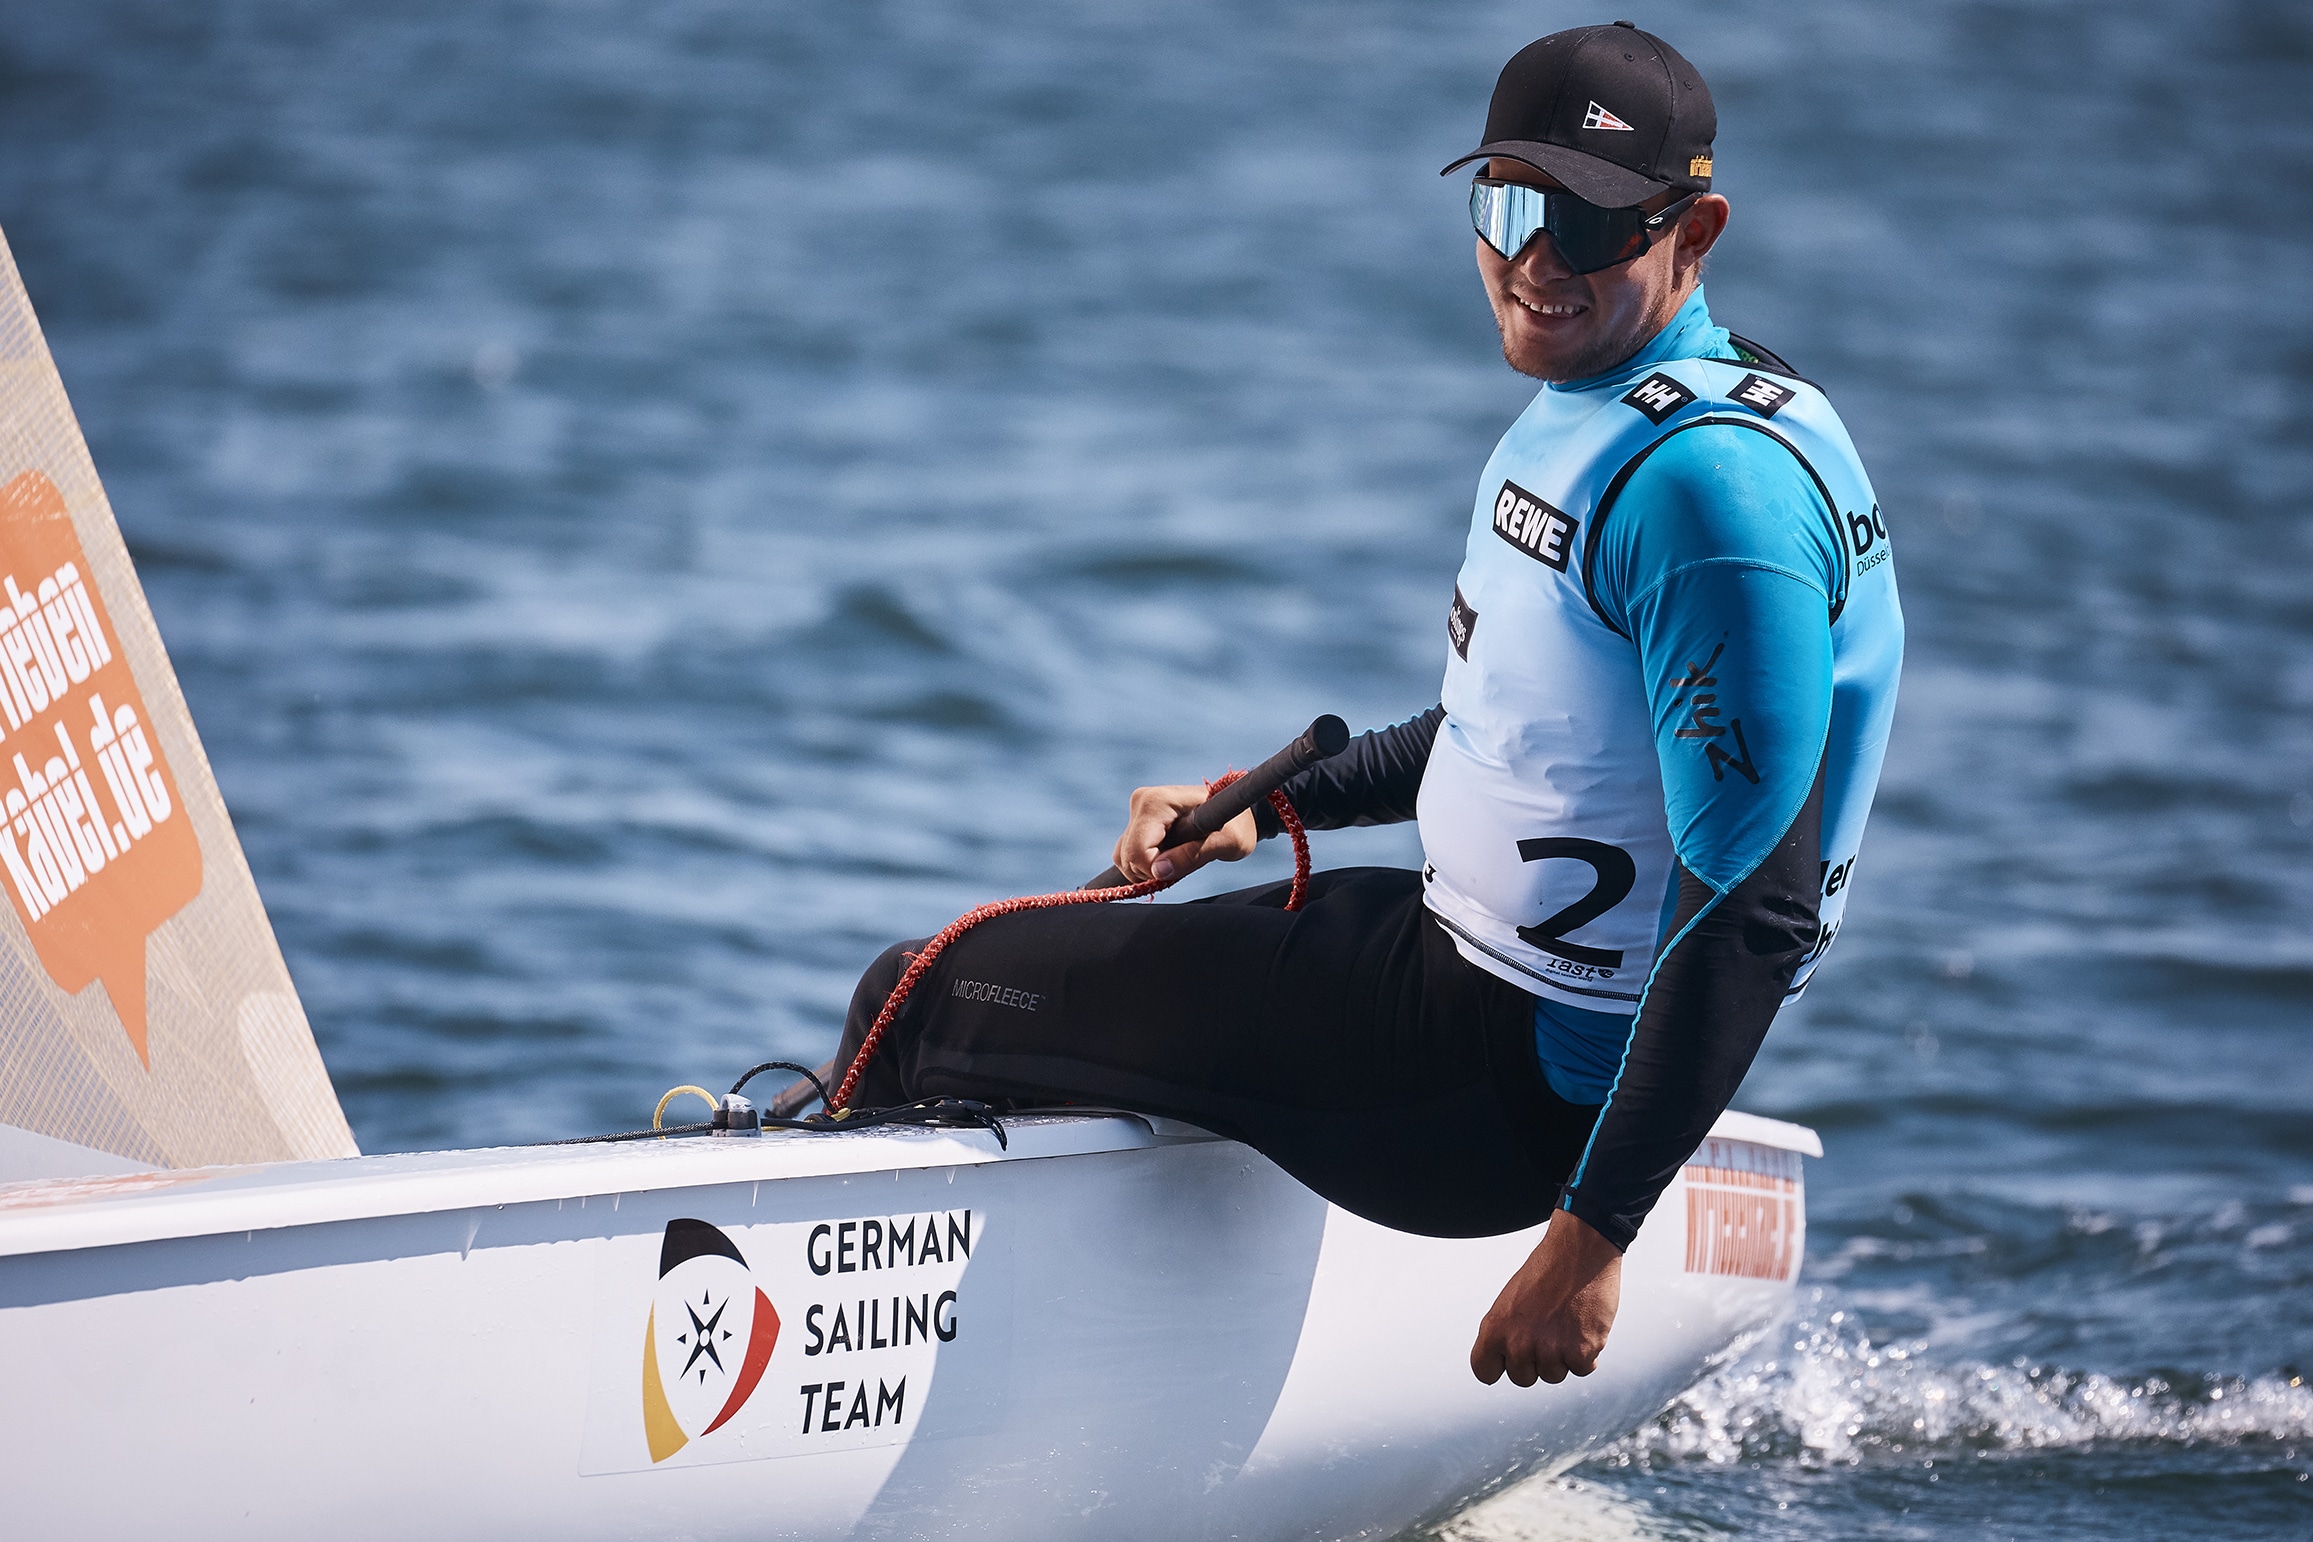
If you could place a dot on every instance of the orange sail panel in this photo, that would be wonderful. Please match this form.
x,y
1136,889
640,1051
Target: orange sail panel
x,y
146,1016
93,853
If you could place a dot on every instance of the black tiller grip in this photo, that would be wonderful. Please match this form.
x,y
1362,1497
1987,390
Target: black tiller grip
x,y
1326,738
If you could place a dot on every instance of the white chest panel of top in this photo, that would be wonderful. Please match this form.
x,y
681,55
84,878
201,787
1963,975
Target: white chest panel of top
x,y
1547,739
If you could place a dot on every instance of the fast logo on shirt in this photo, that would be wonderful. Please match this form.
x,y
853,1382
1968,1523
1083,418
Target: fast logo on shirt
x,y
1658,396
1540,531
1694,692
1762,395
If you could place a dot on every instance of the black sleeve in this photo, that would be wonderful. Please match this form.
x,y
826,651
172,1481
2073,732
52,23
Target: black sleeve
x,y
1373,782
1705,1014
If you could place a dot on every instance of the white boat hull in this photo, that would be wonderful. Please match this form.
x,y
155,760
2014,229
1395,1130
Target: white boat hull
x,y
1118,1330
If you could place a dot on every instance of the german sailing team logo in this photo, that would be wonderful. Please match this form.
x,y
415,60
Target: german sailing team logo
x,y
709,1336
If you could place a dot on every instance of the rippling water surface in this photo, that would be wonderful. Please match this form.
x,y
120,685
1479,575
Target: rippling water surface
x,y
651,502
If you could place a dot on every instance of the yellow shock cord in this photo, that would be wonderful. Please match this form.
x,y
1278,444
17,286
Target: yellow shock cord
x,y
673,1093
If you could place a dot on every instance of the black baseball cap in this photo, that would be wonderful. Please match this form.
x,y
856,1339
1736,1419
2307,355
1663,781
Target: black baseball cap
x,y
1615,114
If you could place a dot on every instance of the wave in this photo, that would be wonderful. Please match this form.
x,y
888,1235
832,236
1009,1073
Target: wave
x,y
1823,1393
1560,1510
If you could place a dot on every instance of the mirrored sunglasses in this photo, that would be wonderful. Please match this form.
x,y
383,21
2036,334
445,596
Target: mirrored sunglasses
x,y
1508,215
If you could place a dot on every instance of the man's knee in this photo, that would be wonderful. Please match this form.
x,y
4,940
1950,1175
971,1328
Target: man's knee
x,y
880,980
883,975
889,965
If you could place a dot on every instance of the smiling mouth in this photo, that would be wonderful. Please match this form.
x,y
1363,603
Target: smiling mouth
x,y
1548,309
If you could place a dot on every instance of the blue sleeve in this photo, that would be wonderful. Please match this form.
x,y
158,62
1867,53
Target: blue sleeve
x,y
1738,680
1719,561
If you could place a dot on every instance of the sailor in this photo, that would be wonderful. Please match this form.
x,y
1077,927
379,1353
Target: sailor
x,y
1670,664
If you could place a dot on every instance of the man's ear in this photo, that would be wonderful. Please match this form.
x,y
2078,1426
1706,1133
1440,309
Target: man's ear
x,y
1699,230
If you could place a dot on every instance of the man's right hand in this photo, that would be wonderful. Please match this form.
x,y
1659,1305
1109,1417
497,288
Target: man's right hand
x,y
1552,1319
1139,854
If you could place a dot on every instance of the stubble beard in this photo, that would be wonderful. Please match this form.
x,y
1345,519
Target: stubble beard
x,y
1596,359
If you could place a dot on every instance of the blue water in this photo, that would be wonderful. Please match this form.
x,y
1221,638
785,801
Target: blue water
x,y
650,503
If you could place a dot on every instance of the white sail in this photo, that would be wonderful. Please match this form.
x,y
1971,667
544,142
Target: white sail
x,y
146,1017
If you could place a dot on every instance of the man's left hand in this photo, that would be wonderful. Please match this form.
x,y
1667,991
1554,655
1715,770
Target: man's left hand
x,y
1551,1320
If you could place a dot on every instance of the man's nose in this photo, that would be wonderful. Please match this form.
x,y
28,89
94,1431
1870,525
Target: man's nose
x,y
1541,262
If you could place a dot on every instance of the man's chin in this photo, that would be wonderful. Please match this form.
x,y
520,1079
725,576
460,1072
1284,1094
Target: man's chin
x,y
1556,365
1518,361
1548,365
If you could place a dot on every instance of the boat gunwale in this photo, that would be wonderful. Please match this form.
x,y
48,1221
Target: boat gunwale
x,y
61,1215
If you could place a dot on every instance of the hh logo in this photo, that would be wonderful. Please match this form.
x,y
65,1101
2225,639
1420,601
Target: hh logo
x,y
1461,621
1526,522
1658,396
709,1335
1762,395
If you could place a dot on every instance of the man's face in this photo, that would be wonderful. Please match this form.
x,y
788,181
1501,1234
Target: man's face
x,y
1561,325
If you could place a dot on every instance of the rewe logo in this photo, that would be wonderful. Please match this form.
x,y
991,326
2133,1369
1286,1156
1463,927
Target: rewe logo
x,y
1599,118
1540,531
709,1335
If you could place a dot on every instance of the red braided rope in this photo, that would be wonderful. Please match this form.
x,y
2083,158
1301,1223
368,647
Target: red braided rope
x,y
971,918
1290,818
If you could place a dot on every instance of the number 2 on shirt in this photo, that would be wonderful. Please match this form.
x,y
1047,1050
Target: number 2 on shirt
x,y
1615,871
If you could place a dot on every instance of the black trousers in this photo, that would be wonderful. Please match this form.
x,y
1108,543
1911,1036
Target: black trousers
x,y
1348,1042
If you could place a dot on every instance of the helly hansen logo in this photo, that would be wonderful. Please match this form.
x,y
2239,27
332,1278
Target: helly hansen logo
x,y
1762,395
1526,522
1658,396
1461,621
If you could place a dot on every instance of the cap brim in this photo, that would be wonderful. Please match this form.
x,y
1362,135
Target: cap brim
x,y
1585,176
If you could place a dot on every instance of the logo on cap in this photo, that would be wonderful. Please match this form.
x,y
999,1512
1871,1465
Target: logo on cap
x,y
1699,166
1599,118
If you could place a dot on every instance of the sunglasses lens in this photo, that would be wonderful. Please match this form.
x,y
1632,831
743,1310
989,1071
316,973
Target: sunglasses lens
x,y
1506,214
1605,239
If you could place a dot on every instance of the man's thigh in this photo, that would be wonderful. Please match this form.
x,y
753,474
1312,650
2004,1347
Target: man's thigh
x,y
1348,1041
1236,997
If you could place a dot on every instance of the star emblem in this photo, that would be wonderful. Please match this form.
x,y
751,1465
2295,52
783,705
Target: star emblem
x,y
704,1342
